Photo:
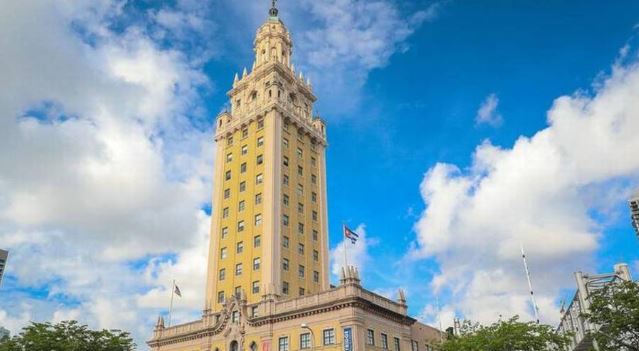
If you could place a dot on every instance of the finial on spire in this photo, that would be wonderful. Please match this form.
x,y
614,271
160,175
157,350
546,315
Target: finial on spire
x,y
273,11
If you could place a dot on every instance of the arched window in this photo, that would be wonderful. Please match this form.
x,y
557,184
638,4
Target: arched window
x,y
253,346
234,346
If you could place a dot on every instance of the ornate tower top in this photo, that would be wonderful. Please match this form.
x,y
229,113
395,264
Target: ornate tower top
x,y
273,11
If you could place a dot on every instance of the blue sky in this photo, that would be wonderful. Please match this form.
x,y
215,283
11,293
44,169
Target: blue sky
x,y
462,130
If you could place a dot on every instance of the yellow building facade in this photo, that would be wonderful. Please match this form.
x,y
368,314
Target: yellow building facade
x,y
268,277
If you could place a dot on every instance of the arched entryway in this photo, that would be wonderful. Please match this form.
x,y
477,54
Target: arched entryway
x,y
234,346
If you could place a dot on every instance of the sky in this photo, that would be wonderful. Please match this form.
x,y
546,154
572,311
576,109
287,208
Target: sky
x,y
458,132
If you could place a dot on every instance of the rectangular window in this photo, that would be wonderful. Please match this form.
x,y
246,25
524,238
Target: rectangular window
x,y
258,219
370,337
300,171
238,269
240,226
256,263
235,316
384,341
222,274
227,193
315,255
229,157
314,197
300,153
283,344
285,264
225,232
223,253
300,271
225,212
239,247
220,296
254,312
300,228
284,219
285,200
315,215
302,291
313,161
396,344
285,241
229,141
414,345
243,168
329,336
260,141
258,199
285,179
259,179
300,249
238,291
228,175
256,287
305,341
241,206
244,133
285,143
260,123
242,187
300,207
257,241
315,276
244,149
313,179
260,159
300,190
315,235
285,161
285,288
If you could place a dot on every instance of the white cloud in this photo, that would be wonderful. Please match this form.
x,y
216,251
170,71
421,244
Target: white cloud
x,y
102,168
487,113
541,192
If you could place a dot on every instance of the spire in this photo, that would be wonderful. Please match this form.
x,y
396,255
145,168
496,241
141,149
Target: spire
x,y
273,11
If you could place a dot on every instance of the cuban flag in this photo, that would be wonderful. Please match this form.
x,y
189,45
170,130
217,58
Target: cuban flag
x,y
177,290
349,234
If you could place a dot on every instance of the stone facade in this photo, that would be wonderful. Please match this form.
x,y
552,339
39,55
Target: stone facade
x,y
315,322
268,285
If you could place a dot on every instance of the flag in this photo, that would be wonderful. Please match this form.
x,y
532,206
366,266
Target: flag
x,y
177,290
350,235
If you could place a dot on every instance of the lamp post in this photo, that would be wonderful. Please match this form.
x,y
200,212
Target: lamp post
x,y
305,326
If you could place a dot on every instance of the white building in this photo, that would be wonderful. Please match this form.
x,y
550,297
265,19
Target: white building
x,y
572,322
4,255
634,211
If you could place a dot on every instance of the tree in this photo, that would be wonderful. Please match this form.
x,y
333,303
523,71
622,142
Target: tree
x,y
615,309
509,335
67,336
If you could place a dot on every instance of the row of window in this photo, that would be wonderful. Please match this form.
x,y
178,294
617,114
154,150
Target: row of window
x,y
328,338
370,340
245,133
299,152
300,135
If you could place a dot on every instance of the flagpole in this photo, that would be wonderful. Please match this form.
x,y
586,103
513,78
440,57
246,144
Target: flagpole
x,y
345,246
171,306
532,294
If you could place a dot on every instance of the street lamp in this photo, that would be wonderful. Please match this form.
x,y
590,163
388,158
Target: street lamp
x,y
305,326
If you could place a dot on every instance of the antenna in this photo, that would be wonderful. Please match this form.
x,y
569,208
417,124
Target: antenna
x,y
532,294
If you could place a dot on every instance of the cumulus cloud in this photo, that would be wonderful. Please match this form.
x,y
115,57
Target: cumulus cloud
x,y
104,168
543,192
487,113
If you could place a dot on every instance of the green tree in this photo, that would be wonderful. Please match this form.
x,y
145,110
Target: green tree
x,y
615,308
509,335
67,336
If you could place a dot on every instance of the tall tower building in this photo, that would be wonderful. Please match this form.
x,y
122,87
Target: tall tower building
x,y
4,255
267,284
634,212
269,227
